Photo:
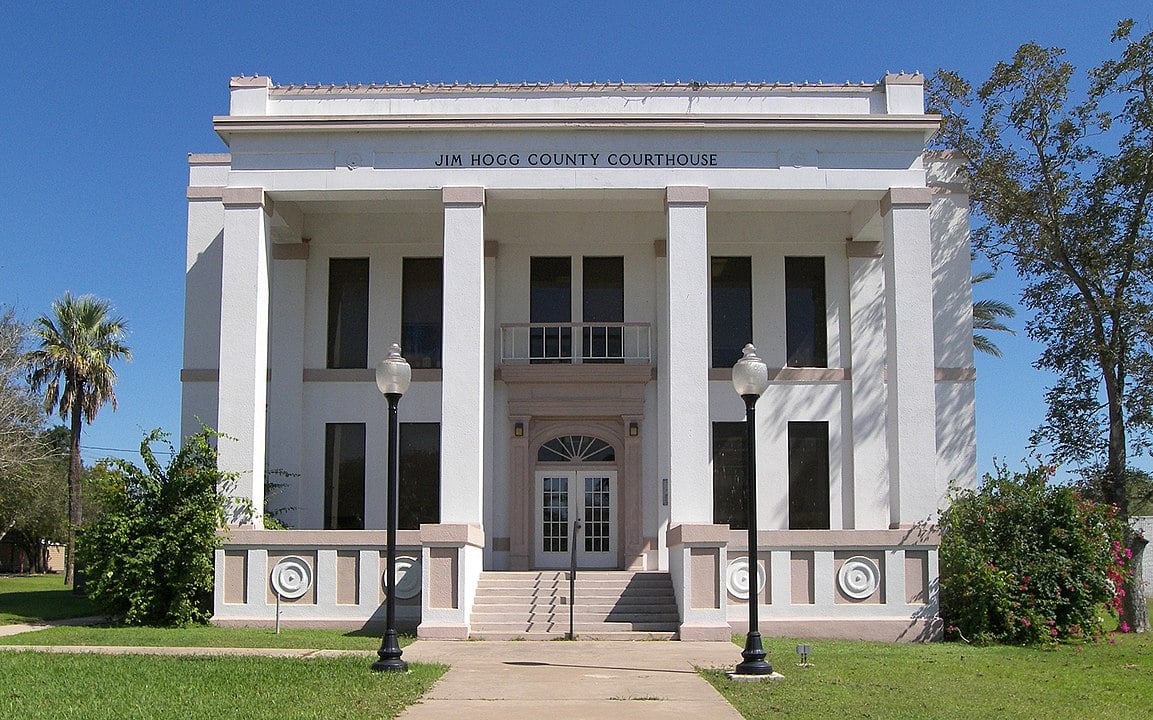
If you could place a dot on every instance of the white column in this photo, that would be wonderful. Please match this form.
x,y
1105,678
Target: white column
x,y
870,491
909,335
244,343
286,386
684,371
463,384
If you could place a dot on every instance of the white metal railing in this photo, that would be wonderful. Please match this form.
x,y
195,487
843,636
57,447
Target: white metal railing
x,y
574,343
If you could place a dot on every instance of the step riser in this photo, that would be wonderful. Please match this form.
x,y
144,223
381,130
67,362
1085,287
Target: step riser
x,y
517,618
562,628
614,605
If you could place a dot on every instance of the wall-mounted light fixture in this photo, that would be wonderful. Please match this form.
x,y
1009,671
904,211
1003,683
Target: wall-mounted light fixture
x,y
634,429
518,429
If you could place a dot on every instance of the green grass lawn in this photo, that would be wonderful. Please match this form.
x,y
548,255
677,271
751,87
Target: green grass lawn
x,y
40,685
32,598
950,680
202,636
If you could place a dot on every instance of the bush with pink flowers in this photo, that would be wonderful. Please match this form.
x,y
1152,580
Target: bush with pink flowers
x,y
1027,561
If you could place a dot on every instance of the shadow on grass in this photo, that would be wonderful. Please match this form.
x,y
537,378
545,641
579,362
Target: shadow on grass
x,y
40,597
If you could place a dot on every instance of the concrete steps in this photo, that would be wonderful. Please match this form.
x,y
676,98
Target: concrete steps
x,y
610,605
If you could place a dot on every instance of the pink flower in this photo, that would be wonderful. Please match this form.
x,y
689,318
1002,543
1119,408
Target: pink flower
x,y
1124,627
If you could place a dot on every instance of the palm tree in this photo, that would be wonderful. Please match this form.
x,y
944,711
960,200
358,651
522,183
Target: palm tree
x,y
986,316
72,364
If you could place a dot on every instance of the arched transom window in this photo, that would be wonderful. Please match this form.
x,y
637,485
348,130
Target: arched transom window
x,y
575,449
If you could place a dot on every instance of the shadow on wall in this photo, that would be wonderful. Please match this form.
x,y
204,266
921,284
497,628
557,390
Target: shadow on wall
x,y
927,626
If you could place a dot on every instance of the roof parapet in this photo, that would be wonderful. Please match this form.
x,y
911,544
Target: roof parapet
x,y
904,93
248,95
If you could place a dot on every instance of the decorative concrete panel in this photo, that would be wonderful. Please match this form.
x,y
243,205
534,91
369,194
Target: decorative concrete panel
x,y
738,580
802,565
308,597
917,577
235,572
705,580
860,577
406,593
347,577
442,578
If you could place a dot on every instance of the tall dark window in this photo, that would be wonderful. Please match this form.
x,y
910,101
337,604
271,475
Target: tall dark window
x,y
806,339
421,311
348,313
344,476
419,481
550,301
732,308
808,476
604,302
729,486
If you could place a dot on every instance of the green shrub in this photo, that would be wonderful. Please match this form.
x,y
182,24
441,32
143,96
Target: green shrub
x,y
1025,561
149,557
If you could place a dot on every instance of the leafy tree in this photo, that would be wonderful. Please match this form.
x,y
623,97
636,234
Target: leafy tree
x,y
987,315
77,345
20,414
1064,190
33,499
25,483
149,555
1025,561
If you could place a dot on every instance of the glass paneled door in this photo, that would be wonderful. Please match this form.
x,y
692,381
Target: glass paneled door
x,y
565,495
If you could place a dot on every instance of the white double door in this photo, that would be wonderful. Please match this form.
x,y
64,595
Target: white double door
x,y
589,496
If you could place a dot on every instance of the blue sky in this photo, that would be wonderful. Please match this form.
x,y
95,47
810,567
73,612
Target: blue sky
x,y
102,105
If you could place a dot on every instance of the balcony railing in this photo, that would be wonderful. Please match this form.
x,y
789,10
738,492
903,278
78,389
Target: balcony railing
x,y
572,343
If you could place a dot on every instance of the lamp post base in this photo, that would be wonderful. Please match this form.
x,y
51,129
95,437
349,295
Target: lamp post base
x,y
389,655
754,655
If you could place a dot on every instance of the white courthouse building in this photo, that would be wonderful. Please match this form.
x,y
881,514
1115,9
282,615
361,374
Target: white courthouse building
x,y
572,270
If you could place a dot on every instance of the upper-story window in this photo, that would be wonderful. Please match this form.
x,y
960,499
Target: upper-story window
x,y
604,302
550,301
731,308
602,308
421,311
806,337
348,313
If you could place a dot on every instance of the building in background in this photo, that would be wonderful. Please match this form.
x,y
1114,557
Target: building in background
x,y
572,270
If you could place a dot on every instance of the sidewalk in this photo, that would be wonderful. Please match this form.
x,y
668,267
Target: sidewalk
x,y
21,628
571,680
508,680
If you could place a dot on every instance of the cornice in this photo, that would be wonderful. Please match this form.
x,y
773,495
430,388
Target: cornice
x,y
236,124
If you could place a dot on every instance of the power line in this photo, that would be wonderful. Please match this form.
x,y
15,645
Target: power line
x,y
122,450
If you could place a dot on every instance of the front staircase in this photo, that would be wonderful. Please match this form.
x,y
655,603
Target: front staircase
x,y
610,605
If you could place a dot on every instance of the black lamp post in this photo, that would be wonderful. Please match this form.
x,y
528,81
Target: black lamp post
x,y
393,375
750,379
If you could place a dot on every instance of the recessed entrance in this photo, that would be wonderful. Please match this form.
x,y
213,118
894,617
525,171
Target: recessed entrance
x,y
563,496
593,469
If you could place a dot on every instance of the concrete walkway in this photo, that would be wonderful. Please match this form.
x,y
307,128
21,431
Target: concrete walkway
x,y
20,628
507,680
571,680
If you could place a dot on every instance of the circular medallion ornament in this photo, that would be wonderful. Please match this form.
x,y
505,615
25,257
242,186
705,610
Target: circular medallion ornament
x,y
859,577
406,576
737,578
291,577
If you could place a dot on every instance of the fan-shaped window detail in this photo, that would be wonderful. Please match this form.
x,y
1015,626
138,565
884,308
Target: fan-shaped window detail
x,y
575,449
